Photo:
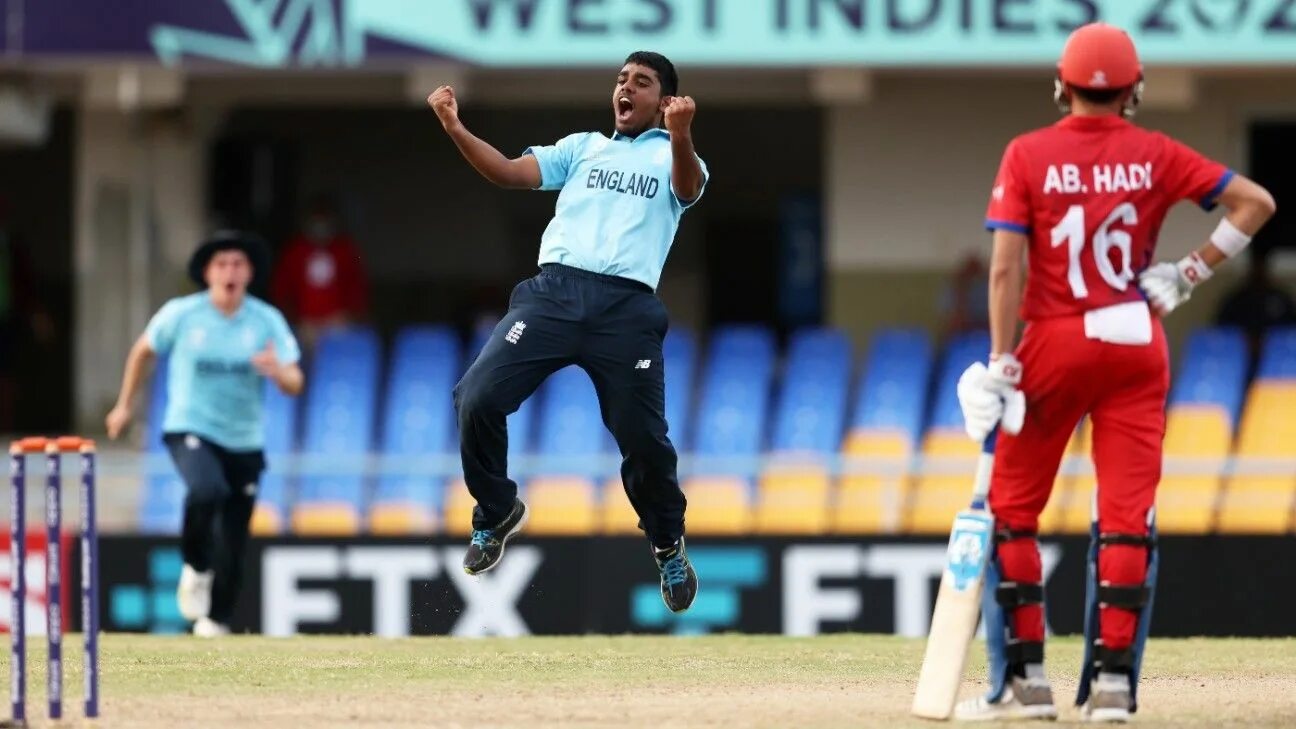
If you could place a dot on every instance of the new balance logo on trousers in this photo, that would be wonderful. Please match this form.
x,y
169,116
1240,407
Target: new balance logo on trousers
x,y
643,364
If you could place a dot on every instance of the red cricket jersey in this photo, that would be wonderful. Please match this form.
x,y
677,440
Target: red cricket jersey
x,y
1091,192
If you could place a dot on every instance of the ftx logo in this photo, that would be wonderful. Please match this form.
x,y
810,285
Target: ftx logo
x,y
726,571
150,606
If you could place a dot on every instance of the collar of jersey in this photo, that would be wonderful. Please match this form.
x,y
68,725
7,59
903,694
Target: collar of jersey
x,y
654,132
238,313
1105,121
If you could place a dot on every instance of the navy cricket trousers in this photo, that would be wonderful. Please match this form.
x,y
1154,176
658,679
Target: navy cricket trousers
x,y
221,491
613,329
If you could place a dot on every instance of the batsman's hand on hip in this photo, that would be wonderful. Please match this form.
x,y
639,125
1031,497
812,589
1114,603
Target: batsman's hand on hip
x,y
679,114
445,105
988,397
118,418
1168,285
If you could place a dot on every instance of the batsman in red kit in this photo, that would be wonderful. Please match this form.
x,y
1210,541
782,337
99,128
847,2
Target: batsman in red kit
x,y
1082,201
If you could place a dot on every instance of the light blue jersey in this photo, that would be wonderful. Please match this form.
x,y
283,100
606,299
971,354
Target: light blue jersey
x,y
617,213
212,388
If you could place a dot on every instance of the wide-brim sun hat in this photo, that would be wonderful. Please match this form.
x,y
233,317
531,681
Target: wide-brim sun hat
x,y
250,244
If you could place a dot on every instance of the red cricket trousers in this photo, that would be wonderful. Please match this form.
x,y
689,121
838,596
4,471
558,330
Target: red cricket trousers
x,y
1066,375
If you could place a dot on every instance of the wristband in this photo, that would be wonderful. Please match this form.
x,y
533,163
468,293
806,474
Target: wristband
x,y
1229,239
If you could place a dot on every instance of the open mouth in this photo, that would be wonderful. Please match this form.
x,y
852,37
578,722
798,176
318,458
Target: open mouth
x,y
624,108
230,288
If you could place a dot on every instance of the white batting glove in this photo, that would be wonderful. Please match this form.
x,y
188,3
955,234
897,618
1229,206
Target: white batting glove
x,y
988,397
1168,285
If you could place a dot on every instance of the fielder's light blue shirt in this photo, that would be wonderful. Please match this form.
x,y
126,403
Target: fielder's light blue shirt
x,y
213,390
617,213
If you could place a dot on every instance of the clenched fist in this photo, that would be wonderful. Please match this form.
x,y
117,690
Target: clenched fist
x,y
445,105
679,114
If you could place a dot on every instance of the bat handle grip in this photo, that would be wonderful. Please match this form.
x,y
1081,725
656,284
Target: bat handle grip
x,y
985,466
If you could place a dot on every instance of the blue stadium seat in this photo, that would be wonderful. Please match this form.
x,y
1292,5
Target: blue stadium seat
x,y
1278,358
161,506
418,416
341,405
1213,371
962,351
572,436
892,394
277,489
812,408
734,400
680,352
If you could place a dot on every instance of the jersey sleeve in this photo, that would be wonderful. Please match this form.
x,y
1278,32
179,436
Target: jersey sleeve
x,y
163,328
1009,207
556,160
1193,176
285,344
706,176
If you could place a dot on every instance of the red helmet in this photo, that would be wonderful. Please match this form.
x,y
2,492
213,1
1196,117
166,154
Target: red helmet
x,y
1100,56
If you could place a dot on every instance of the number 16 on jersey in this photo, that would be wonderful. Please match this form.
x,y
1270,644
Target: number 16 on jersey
x,y
958,603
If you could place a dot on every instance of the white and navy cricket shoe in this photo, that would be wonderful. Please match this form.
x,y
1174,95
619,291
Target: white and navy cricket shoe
x,y
193,593
1025,699
1109,701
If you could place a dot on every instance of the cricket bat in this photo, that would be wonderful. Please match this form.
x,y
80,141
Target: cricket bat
x,y
958,603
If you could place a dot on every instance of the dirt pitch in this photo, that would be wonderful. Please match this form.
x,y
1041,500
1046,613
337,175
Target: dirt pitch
x,y
714,681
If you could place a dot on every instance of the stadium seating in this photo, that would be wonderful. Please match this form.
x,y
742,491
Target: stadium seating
x,y
572,437
885,430
340,408
946,488
1262,502
732,412
161,507
418,422
1205,402
769,446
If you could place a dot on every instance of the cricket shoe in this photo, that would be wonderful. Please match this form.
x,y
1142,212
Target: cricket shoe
x,y
1025,699
487,545
679,582
1109,701
193,593
208,628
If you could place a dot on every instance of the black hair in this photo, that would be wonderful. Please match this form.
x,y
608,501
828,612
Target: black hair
x,y
1098,96
662,65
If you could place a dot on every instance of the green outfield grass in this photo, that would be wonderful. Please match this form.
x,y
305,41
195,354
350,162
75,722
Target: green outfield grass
x,y
739,681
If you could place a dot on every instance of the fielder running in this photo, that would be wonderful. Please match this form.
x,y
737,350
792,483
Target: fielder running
x,y
1083,200
221,343
592,304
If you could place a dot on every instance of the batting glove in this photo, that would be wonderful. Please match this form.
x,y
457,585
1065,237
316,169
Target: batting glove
x,y
988,397
1168,285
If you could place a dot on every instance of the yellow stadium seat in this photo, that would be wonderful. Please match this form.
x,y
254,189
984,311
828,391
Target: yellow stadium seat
x,y
1268,428
399,518
266,520
458,509
1077,509
1257,505
864,442
1198,431
868,504
793,501
937,498
325,519
1186,504
616,515
949,442
717,505
562,506
947,487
